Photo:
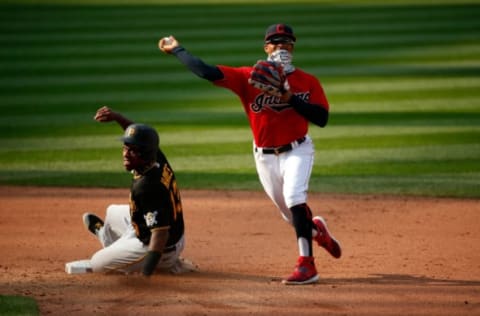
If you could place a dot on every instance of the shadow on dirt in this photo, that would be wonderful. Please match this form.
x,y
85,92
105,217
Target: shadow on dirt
x,y
373,279
401,279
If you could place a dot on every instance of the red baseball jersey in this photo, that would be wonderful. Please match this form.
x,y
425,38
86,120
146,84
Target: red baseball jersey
x,y
273,123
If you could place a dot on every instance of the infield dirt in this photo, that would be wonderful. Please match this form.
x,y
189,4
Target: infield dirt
x,y
401,256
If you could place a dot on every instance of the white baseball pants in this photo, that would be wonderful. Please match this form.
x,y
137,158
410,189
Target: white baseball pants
x,y
285,177
123,251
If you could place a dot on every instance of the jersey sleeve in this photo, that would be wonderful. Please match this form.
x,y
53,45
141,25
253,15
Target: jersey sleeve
x,y
317,95
234,78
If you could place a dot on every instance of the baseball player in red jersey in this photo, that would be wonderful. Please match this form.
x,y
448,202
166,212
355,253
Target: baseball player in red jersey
x,y
282,149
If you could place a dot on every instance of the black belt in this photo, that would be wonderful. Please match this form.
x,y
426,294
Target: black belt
x,y
281,149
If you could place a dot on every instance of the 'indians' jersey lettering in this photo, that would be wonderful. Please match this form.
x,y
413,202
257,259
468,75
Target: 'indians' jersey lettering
x,y
273,123
155,203
273,102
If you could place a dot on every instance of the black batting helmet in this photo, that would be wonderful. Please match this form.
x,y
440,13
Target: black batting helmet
x,y
145,138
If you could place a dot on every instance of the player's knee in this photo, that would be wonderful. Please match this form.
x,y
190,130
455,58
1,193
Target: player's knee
x,y
295,199
112,208
116,210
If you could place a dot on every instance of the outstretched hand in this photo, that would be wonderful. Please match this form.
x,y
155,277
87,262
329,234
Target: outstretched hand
x,y
105,114
167,44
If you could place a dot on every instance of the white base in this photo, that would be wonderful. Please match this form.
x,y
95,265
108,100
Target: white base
x,y
78,267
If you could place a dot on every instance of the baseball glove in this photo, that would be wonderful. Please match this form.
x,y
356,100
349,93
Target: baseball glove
x,y
269,77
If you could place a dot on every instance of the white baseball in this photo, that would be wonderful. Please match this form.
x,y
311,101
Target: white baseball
x,y
167,40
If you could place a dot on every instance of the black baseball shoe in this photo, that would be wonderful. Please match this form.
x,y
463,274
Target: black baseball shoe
x,y
92,222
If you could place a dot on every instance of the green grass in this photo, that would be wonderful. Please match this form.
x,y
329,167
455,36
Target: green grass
x,y
403,81
17,306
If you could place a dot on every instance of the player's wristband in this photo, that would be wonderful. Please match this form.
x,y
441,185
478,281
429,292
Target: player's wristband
x,y
150,262
177,49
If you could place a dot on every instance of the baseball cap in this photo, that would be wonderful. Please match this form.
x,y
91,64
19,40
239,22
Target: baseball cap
x,y
279,31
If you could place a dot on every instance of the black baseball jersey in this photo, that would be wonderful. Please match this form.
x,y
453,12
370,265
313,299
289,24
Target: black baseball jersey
x,y
155,202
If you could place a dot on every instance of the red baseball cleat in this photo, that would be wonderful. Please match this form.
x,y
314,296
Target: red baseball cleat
x,y
304,273
325,239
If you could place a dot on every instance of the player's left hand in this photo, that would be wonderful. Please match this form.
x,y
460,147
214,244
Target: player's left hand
x,y
269,77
